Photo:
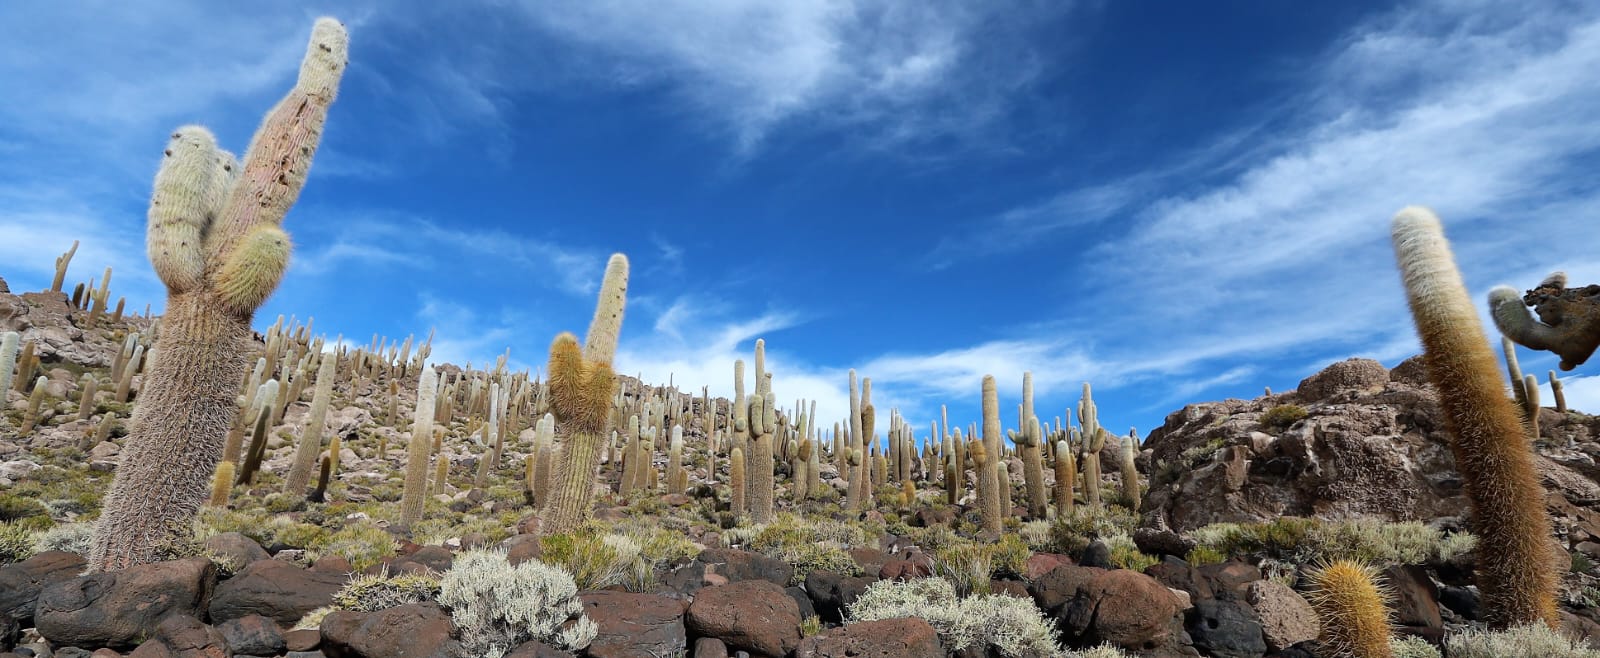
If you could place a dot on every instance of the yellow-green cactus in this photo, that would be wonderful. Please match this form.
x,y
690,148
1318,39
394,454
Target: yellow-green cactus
x,y
581,387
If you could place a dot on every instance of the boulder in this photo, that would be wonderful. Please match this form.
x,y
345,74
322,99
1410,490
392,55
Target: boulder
x,y
752,615
275,589
1060,586
183,636
635,625
417,630
888,638
736,565
118,608
236,548
21,583
1351,376
1226,629
1122,607
1286,618
253,635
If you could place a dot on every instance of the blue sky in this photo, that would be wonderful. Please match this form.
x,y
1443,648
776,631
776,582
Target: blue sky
x,y
1177,203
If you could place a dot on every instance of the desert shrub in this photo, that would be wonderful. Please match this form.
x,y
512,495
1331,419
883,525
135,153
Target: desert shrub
x,y
966,567
1533,640
1200,556
362,544
1126,555
1102,651
1070,535
371,593
595,561
70,537
1001,624
16,542
14,507
1411,646
1036,533
809,545
1283,416
1303,540
497,606
1009,556
933,538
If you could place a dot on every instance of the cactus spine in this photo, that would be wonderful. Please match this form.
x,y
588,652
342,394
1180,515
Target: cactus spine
x,y
581,387
215,240
419,448
1353,609
305,456
1518,579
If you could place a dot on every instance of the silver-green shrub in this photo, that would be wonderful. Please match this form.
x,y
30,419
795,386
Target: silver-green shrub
x,y
497,606
1533,640
1013,627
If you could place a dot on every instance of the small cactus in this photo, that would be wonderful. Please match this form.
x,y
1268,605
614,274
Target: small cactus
x,y
1354,610
222,484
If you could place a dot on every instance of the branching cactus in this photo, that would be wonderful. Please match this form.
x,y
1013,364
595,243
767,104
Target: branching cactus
x,y
1568,322
215,240
1094,440
761,481
581,386
1518,578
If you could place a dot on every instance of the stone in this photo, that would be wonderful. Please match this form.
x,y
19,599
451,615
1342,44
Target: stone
x,y
752,615
305,639
1040,564
1226,629
709,647
236,548
183,636
20,583
888,638
275,589
1286,618
118,608
1228,580
1058,587
253,635
1162,541
1122,607
1461,600
417,630
1097,555
1359,376
436,559
737,565
635,625
1416,598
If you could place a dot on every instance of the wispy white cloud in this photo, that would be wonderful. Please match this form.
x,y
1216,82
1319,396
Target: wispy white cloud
x,y
903,71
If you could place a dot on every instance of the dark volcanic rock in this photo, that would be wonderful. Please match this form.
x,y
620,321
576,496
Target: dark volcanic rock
x,y
118,608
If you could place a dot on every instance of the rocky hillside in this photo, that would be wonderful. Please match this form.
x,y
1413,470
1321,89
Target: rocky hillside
x,y
1244,499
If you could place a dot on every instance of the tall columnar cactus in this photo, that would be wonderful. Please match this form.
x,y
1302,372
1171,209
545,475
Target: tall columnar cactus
x,y
1353,608
761,459
581,386
677,477
736,478
1531,403
419,449
1568,322
544,434
1130,470
35,399
801,467
1556,391
856,490
215,240
1030,447
24,368
1066,473
8,362
1094,440
1513,370
62,262
988,458
1518,579
305,456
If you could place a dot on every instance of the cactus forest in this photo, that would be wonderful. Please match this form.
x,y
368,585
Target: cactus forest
x,y
196,475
